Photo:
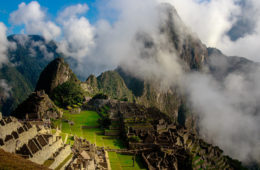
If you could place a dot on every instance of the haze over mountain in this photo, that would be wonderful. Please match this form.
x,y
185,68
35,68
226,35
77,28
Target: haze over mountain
x,y
151,46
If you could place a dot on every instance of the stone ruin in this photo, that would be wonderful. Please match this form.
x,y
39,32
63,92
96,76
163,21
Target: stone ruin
x,y
167,145
32,142
37,106
88,156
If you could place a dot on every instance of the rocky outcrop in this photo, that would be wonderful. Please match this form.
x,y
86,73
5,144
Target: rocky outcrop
x,y
37,106
187,45
56,73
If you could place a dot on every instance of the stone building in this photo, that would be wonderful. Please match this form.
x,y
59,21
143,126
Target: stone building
x,y
32,142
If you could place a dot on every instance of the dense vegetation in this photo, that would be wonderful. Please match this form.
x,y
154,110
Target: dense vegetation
x,y
67,94
111,84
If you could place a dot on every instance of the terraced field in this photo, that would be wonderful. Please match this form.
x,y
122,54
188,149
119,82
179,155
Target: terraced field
x,y
86,125
124,162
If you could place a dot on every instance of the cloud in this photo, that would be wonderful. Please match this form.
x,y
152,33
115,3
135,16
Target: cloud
x,y
5,89
3,44
245,45
78,33
72,12
226,111
209,19
230,25
34,19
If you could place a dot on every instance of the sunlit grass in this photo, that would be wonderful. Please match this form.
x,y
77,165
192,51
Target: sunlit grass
x,y
124,162
93,134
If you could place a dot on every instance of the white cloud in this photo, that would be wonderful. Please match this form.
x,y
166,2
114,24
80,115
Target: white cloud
x,y
72,12
5,88
34,19
211,20
78,33
227,111
3,44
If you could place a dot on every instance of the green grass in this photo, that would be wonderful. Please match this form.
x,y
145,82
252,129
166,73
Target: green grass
x,y
86,118
200,162
48,162
124,162
95,136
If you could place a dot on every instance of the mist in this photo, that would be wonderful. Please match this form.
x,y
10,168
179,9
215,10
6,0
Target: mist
x,y
227,109
3,44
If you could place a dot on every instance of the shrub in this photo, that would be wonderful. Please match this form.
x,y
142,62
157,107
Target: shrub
x,y
134,139
100,96
67,94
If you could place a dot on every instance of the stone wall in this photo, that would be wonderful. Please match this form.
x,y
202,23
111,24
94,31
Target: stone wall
x,y
13,144
7,128
41,156
64,153
33,142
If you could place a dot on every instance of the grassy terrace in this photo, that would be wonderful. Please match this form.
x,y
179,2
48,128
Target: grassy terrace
x,y
86,126
89,120
124,162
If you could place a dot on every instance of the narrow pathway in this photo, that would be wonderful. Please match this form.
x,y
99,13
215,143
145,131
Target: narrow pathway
x,y
108,161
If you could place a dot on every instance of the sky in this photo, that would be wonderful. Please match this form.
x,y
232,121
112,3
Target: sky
x,y
53,7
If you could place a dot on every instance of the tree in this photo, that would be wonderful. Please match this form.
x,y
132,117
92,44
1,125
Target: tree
x,y
67,94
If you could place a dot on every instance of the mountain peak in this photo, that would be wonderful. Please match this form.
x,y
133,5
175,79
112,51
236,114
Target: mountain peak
x,y
56,73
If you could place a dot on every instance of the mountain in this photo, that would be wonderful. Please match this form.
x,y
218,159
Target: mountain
x,y
26,61
221,66
56,73
58,82
188,46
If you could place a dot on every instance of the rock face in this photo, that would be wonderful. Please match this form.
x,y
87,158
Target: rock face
x,y
188,47
37,106
56,73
